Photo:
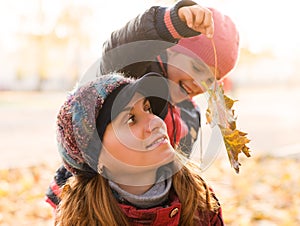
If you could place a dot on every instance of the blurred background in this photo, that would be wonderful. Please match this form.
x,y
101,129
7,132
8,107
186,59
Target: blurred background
x,y
45,46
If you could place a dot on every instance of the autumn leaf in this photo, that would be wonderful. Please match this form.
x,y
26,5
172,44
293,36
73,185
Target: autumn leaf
x,y
220,113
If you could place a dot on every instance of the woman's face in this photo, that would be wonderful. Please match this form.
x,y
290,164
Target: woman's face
x,y
186,76
136,139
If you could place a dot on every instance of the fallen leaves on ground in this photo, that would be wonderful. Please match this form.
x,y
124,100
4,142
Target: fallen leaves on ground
x,y
22,192
265,193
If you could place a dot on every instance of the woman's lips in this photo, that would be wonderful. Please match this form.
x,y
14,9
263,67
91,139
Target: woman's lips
x,y
157,142
186,89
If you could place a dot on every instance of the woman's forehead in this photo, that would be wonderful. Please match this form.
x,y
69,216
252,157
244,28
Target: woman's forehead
x,y
135,99
128,108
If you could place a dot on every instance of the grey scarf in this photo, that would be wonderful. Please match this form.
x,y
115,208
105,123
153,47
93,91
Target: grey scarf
x,y
155,196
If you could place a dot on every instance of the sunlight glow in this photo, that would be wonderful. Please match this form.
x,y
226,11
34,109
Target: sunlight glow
x,y
66,28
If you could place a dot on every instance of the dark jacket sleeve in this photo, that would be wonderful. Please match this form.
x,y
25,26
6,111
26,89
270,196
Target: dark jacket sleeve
x,y
190,114
55,187
132,48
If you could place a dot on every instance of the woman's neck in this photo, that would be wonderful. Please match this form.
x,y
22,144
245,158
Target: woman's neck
x,y
135,190
137,184
145,196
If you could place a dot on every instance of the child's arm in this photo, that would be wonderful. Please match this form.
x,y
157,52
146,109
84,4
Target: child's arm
x,y
132,48
55,187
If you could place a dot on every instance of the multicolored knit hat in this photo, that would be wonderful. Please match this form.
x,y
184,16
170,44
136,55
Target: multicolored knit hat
x,y
226,39
83,117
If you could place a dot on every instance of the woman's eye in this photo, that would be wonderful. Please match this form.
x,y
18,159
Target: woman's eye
x,y
130,119
196,69
209,81
148,109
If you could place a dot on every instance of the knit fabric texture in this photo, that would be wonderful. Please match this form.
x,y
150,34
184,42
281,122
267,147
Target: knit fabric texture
x,y
226,39
169,25
78,141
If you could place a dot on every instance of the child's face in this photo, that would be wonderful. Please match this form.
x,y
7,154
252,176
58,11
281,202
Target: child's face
x,y
186,75
136,139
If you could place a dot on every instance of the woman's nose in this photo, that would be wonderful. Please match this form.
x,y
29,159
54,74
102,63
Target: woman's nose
x,y
153,123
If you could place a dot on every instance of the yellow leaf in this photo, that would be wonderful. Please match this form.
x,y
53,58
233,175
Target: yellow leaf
x,y
220,112
228,102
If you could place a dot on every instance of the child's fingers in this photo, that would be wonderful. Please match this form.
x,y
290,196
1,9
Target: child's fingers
x,y
198,18
187,16
208,24
210,31
204,22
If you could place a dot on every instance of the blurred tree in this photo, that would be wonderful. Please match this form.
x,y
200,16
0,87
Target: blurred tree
x,y
53,49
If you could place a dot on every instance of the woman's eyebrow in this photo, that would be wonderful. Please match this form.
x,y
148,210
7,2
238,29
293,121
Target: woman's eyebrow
x,y
128,108
203,69
145,100
198,66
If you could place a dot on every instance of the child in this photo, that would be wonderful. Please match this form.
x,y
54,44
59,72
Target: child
x,y
112,138
147,44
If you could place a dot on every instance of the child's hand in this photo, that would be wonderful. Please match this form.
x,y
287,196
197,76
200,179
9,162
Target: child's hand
x,y
198,18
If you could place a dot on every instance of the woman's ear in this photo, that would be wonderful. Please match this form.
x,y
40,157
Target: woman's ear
x,y
100,168
101,160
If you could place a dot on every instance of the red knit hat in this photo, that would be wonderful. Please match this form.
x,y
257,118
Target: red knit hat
x,y
226,39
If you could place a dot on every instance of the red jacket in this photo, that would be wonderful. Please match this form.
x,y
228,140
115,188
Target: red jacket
x,y
168,216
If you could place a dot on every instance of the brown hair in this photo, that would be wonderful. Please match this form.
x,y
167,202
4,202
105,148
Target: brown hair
x,y
194,194
90,201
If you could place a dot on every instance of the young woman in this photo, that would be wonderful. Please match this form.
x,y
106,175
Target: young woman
x,y
112,138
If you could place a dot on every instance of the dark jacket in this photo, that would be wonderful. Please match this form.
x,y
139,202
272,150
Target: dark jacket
x,y
140,47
